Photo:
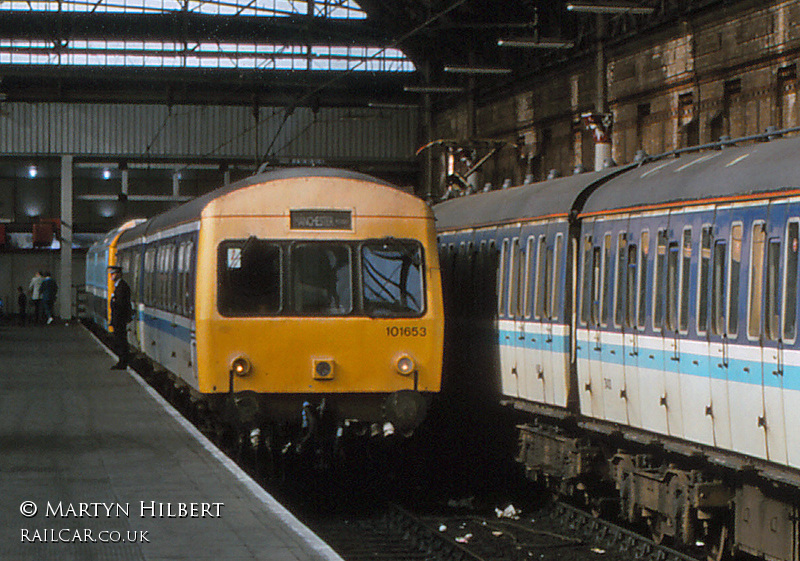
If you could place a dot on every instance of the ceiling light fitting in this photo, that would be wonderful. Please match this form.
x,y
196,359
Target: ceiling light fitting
x,y
609,8
477,70
534,43
433,89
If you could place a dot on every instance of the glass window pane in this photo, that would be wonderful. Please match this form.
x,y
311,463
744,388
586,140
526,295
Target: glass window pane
x,y
541,278
321,278
630,284
608,267
771,290
622,265
672,287
392,278
643,266
718,287
249,282
530,276
555,293
703,280
790,283
502,281
686,268
756,280
516,273
586,294
658,280
734,283
596,266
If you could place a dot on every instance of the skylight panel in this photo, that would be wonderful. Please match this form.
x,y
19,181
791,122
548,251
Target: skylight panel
x,y
99,52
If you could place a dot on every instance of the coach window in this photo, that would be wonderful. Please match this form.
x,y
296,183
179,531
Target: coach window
x,y
658,280
672,286
188,301
541,279
686,268
173,278
703,279
622,265
321,278
597,260
392,278
149,268
718,276
249,282
489,268
555,293
605,291
757,243
772,295
502,281
470,292
516,276
160,280
644,264
588,273
180,278
530,275
790,282
135,274
734,271
630,286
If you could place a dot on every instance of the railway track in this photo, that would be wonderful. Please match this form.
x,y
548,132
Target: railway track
x,y
380,530
558,533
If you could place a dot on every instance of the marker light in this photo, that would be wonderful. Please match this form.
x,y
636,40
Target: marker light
x,y
241,366
405,365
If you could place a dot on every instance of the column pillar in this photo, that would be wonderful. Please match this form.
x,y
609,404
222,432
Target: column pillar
x,y
65,295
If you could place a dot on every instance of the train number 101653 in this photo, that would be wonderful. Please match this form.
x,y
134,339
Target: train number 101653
x,y
407,331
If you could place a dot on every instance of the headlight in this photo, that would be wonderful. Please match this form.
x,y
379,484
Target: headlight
x,y
241,366
405,365
323,368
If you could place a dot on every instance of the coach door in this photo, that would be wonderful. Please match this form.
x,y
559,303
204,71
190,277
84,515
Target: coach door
x,y
506,335
786,359
718,347
533,342
744,355
632,258
615,254
764,308
655,400
555,355
587,344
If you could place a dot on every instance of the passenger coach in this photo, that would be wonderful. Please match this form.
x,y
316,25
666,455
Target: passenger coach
x,y
644,320
296,292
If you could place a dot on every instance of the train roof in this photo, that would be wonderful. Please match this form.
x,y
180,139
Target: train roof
x,y
192,210
111,236
730,173
548,199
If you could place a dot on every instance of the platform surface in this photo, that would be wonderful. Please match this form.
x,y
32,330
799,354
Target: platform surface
x,y
93,466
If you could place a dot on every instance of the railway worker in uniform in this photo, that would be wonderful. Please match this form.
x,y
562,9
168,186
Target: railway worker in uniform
x,y
120,316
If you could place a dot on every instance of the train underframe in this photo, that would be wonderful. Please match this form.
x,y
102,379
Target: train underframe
x,y
278,434
685,494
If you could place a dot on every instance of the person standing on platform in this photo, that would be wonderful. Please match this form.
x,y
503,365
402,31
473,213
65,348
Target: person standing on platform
x,y
35,287
48,292
120,317
22,303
